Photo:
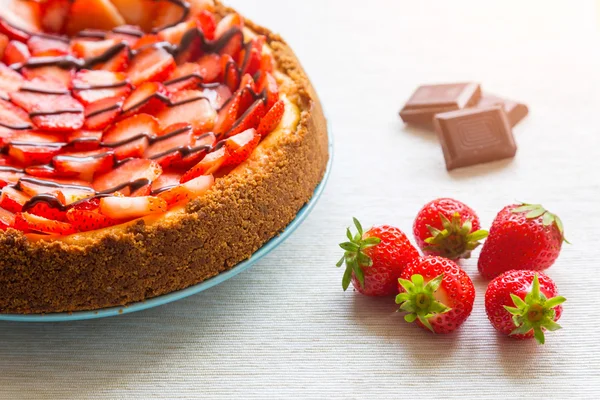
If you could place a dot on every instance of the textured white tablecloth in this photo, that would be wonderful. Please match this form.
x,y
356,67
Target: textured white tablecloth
x,y
285,329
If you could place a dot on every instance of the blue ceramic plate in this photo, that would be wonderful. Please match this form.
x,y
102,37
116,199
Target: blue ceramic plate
x,y
174,296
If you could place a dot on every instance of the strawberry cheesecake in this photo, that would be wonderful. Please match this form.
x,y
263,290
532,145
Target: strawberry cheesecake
x,y
146,146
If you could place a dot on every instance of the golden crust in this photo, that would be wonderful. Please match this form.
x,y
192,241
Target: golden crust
x,y
149,258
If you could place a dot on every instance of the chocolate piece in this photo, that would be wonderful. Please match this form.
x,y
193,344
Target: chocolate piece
x,y
429,100
515,111
475,136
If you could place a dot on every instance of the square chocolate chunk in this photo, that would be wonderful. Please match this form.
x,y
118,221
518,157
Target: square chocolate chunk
x,y
429,100
515,111
475,136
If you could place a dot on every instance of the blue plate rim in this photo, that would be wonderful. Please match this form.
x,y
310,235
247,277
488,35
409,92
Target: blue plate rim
x,y
200,287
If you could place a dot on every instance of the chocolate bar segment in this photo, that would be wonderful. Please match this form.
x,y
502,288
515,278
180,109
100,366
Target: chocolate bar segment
x,y
475,136
429,100
515,111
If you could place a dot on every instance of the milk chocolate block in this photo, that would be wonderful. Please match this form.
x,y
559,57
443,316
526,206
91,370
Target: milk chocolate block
x,y
515,111
429,100
475,136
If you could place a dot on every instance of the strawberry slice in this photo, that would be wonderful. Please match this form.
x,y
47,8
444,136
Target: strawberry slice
x,y
190,106
250,119
146,41
174,34
240,146
3,43
45,171
168,13
9,176
202,145
15,53
217,95
19,18
90,86
47,46
231,25
131,207
129,34
86,48
231,73
137,12
67,191
166,180
187,191
33,154
28,222
86,220
129,137
209,165
227,116
151,64
62,77
83,140
247,93
101,113
132,171
208,24
267,63
49,210
12,199
149,98
268,84
84,164
7,219
189,75
251,56
92,14
61,113
169,148
272,119
10,80
13,117
54,15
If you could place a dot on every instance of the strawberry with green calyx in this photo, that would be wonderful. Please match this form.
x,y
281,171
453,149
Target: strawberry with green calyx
x,y
522,236
448,228
375,259
523,304
436,293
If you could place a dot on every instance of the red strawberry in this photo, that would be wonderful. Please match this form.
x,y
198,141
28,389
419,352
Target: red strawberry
x,y
84,164
131,207
131,171
9,176
10,80
12,199
33,154
151,64
129,34
91,86
46,210
187,191
208,24
251,56
164,151
227,116
46,171
225,26
523,304
185,76
84,140
272,119
7,219
436,293
189,106
247,93
250,119
202,145
89,220
47,46
137,12
166,180
92,14
267,84
54,14
375,259
231,73
129,137
118,63
19,18
240,146
28,222
149,98
102,113
523,236
447,228
16,53
209,165
59,76
13,117
175,33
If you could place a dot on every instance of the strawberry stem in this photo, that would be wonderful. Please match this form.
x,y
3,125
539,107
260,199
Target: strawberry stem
x,y
537,210
536,312
354,256
419,301
455,240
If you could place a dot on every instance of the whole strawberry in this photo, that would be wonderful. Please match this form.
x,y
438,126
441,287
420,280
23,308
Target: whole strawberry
x,y
523,304
523,236
375,259
447,228
436,293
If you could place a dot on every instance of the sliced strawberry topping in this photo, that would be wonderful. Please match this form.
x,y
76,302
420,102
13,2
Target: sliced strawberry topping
x,y
90,86
47,46
129,34
240,146
137,12
202,145
33,154
102,113
84,164
28,222
189,106
15,53
218,95
272,119
92,14
86,220
46,171
13,117
250,58
130,172
231,74
7,219
86,48
62,113
46,210
129,137
168,13
10,80
54,14
67,191
189,75
60,76
227,116
9,177
247,93
131,207
209,165
268,85
151,64
226,27
12,199
169,148
188,190
83,140
166,180
208,24
174,34
3,43
250,119
149,98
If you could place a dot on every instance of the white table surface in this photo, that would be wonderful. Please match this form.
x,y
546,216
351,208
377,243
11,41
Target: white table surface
x,y
285,329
